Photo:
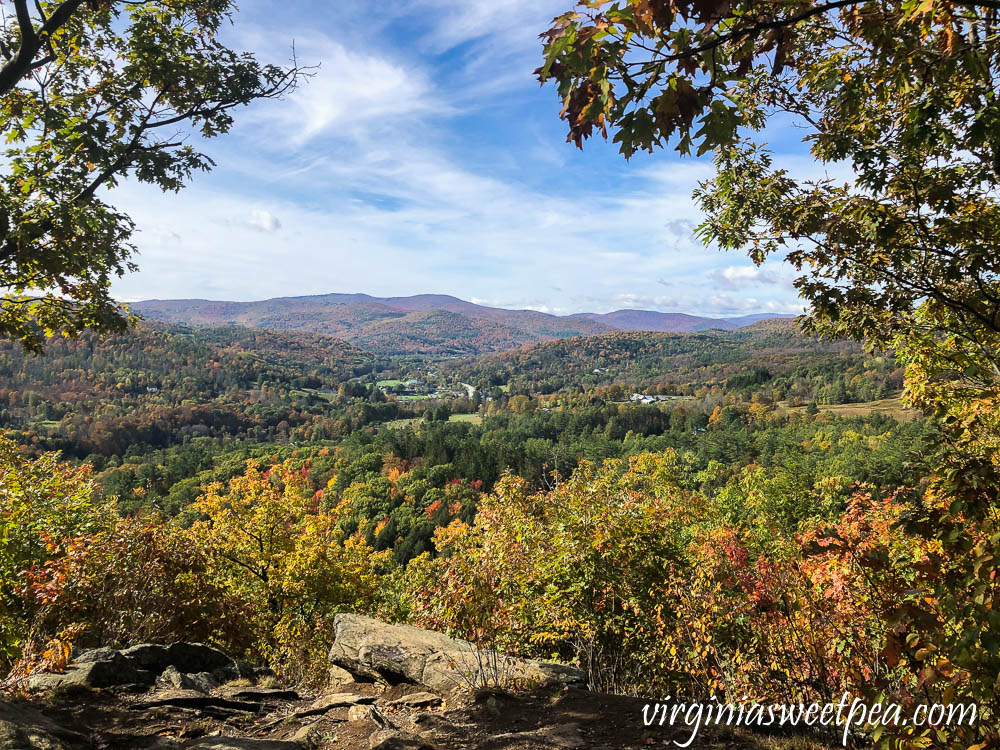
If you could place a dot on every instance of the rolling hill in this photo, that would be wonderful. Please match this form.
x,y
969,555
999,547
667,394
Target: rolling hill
x,y
430,324
644,357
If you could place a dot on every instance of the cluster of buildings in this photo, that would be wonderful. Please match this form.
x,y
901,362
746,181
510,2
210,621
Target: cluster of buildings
x,y
642,398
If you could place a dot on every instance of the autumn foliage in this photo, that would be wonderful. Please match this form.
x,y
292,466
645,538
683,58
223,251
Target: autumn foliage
x,y
658,591
261,573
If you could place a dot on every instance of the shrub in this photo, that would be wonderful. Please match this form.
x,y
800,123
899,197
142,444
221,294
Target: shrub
x,y
271,545
571,573
42,501
141,580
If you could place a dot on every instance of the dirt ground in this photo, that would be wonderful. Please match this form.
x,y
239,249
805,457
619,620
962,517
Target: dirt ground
x,y
569,718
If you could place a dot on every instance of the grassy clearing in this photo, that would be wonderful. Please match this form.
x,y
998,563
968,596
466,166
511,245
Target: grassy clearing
x,y
470,418
306,392
389,383
891,407
402,424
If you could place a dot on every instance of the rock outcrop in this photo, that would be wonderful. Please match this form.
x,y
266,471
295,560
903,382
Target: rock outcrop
x,y
94,671
374,650
189,666
396,693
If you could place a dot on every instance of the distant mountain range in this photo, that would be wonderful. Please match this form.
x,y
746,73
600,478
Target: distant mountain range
x,y
648,320
423,324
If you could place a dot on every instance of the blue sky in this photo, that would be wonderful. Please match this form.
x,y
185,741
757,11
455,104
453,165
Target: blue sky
x,y
423,157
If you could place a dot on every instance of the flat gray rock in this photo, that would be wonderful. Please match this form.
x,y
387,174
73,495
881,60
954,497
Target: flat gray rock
x,y
110,672
417,700
197,657
182,665
373,649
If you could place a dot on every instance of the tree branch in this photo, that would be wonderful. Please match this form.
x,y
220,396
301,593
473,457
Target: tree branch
x,y
755,29
23,63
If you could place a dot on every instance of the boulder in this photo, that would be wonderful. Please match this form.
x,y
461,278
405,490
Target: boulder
x,y
172,679
152,657
186,666
372,649
96,654
196,657
339,676
114,671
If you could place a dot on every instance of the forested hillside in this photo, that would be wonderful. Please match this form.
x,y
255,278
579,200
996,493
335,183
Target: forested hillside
x,y
163,412
424,324
386,485
771,356
160,385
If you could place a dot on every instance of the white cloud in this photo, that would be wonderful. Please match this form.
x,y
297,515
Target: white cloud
x,y
264,221
349,93
740,277
405,219
726,305
460,21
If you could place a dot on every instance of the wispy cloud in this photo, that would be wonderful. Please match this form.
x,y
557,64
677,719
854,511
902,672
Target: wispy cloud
x,y
461,21
740,277
349,91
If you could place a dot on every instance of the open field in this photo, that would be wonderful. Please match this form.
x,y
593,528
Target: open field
x,y
399,424
891,407
325,395
470,418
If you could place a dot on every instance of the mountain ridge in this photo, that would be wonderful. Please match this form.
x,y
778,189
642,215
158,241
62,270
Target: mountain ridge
x,y
434,324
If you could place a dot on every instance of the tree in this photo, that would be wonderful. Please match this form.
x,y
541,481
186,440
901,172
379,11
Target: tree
x,y
91,93
289,561
904,92
576,570
905,256
138,580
